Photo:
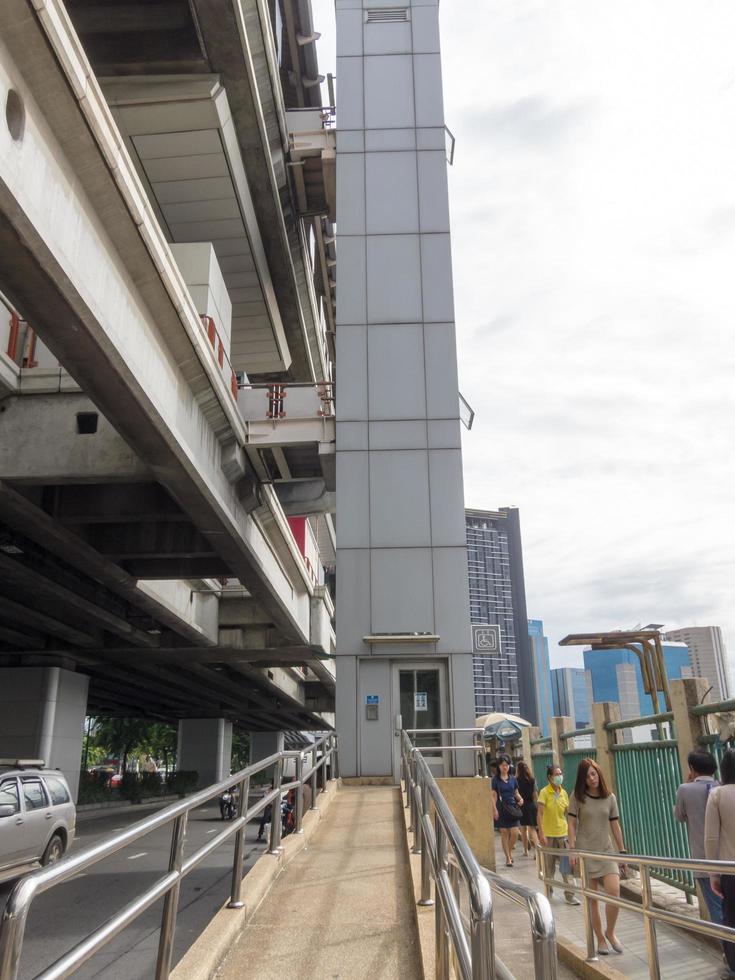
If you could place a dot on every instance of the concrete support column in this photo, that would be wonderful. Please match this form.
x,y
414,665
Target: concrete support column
x,y
558,725
205,746
685,693
263,744
526,736
602,713
42,711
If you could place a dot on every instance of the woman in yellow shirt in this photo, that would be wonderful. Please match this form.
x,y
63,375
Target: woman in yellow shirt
x,y
552,806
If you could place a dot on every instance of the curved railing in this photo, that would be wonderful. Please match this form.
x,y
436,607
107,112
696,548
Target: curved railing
x,y
12,926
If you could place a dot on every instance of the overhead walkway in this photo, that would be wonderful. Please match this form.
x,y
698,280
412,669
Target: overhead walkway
x,y
344,907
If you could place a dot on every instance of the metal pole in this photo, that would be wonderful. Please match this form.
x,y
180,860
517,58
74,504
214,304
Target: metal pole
x,y
323,767
236,886
587,910
335,755
425,856
414,808
418,796
649,925
299,816
313,778
171,901
275,841
440,939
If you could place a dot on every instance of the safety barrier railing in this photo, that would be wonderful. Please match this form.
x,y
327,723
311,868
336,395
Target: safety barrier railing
x,y
541,920
15,915
473,949
649,867
447,859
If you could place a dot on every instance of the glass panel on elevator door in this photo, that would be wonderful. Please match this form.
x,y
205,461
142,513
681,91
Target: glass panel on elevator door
x,y
420,693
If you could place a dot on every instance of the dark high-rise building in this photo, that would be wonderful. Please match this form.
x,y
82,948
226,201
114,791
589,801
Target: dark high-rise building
x,y
503,669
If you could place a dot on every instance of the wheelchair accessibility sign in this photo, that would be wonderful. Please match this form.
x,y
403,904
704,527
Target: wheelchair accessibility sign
x,y
486,639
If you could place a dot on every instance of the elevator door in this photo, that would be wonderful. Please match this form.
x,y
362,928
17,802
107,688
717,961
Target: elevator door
x,y
419,691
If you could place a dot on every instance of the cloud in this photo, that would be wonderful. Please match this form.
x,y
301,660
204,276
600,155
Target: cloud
x,y
532,122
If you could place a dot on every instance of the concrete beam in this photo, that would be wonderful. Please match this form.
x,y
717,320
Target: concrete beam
x,y
31,581
20,513
15,612
104,504
40,442
85,260
230,37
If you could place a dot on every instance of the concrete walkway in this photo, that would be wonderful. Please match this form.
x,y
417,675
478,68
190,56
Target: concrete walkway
x,y
681,957
343,908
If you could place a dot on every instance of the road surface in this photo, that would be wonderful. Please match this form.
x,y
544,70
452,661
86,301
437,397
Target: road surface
x,y
63,916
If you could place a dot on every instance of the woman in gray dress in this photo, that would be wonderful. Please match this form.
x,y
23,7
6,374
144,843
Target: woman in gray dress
x,y
594,825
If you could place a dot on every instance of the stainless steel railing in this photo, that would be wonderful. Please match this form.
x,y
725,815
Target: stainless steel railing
x,y
541,919
309,767
447,859
474,953
650,913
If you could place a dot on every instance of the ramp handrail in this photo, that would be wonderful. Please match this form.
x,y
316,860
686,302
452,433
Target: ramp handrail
x,y
474,955
651,914
543,927
15,915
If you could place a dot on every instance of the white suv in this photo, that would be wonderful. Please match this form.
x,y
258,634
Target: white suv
x,y
37,816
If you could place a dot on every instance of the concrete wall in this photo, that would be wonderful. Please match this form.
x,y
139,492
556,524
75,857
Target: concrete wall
x,y
42,712
401,558
470,800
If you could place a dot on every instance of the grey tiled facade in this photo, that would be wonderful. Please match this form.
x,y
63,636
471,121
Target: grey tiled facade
x,y
401,557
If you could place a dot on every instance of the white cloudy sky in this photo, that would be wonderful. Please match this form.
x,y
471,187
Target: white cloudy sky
x,y
593,217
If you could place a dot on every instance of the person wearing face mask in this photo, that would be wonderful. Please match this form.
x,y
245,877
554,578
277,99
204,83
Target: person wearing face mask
x,y
507,807
594,825
552,806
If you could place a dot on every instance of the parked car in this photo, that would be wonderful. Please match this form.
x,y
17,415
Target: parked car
x,y
37,816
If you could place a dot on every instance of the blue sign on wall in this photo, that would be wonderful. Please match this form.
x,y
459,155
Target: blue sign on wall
x,y
372,699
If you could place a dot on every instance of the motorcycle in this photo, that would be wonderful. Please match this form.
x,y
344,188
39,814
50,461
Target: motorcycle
x,y
227,806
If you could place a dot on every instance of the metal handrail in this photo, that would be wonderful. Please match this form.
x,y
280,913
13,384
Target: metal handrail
x,y
712,707
15,915
612,726
543,927
650,913
579,731
474,954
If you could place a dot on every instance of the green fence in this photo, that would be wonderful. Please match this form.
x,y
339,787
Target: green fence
x,y
541,763
648,775
713,744
571,759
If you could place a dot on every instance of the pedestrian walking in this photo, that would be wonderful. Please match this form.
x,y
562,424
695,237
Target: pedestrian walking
x,y
719,845
690,808
552,806
507,804
529,815
594,825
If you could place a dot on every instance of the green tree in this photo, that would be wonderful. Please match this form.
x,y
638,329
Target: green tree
x,y
161,742
120,737
240,750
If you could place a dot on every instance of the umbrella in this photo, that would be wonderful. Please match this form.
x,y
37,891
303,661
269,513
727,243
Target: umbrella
x,y
502,726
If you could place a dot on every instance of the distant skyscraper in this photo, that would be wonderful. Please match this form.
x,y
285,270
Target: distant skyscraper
x,y
707,656
542,673
504,676
616,676
571,695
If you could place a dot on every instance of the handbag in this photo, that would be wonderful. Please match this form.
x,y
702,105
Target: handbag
x,y
510,810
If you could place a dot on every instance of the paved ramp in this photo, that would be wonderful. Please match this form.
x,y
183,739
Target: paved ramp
x,y
343,908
